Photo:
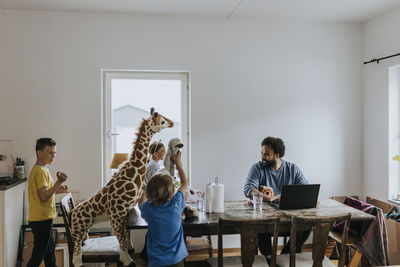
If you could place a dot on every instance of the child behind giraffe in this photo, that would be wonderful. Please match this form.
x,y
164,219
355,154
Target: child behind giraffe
x,y
163,214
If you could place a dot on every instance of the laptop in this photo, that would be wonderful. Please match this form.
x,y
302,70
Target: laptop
x,y
298,196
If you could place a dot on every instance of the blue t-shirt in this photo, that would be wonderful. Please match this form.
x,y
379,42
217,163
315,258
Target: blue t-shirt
x,y
165,241
288,173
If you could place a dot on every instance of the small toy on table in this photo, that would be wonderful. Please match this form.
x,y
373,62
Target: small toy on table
x,y
266,190
189,212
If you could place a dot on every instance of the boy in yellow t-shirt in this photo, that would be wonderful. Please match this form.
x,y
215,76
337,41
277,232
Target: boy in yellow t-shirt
x,y
42,206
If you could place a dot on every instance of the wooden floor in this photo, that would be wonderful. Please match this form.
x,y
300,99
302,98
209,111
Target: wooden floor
x,y
195,260
191,260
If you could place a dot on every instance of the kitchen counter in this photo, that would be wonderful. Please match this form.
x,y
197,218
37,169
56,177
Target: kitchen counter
x,y
6,187
11,218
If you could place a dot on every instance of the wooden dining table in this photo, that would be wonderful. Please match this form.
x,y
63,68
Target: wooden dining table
x,y
206,223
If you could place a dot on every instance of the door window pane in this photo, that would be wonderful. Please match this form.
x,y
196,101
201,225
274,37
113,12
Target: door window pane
x,y
128,97
131,102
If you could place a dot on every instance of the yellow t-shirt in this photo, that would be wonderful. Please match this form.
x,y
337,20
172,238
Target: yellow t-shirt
x,y
39,210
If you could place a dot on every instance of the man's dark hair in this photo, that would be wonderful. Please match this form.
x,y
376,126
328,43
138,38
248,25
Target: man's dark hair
x,y
276,144
42,142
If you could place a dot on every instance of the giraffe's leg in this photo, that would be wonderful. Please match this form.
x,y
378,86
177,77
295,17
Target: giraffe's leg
x,y
78,233
77,256
128,241
118,226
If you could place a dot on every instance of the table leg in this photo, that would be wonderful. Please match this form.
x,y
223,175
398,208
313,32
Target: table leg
x,y
320,237
248,244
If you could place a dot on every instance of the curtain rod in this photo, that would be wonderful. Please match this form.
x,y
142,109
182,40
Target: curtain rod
x,y
379,59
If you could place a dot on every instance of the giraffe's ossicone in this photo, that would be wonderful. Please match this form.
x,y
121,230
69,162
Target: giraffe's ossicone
x,y
119,195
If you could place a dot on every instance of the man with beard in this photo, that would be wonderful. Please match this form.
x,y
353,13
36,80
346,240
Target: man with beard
x,y
274,172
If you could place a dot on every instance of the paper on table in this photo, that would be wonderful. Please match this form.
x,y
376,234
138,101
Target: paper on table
x,y
215,198
218,198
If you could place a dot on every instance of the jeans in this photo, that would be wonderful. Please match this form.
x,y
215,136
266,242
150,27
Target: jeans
x,y
43,244
264,243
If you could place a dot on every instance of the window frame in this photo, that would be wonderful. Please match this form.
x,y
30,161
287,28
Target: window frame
x,y
107,75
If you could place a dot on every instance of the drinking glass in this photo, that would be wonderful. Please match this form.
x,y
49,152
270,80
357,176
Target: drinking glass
x,y
260,200
200,203
257,202
254,200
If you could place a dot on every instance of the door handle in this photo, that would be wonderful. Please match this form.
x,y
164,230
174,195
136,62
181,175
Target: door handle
x,y
109,133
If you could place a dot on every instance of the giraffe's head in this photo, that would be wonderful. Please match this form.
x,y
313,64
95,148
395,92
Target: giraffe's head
x,y
159,122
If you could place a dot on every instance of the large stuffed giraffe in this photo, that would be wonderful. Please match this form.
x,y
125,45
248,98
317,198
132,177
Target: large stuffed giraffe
x,y
119,195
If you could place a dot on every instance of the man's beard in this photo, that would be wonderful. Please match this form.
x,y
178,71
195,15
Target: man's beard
x,y
269,163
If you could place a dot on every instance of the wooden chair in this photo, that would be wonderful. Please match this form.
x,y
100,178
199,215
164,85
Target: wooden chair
x,y
341,199
384,206
199,245
249,229
335,237
321,228
94,250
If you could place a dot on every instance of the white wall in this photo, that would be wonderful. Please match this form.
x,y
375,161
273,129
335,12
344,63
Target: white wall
x,y
250,79
379,40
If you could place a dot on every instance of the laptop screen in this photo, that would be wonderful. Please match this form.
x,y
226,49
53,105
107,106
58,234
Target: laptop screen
x,y
298,196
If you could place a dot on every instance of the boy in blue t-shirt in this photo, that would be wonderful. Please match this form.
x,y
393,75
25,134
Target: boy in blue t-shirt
x,y
163,214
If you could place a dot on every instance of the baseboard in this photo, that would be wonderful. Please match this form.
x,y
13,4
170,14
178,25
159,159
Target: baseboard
x,y
235,250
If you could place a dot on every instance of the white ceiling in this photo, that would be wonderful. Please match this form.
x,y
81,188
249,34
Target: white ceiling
x,y
325,10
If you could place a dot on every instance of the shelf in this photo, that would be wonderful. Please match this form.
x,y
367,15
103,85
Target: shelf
x,y
394,201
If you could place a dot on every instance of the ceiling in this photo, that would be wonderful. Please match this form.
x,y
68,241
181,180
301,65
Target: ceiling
x,y
321,10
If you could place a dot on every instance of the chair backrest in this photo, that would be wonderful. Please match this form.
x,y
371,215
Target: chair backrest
x,y
384,206
341,199
321,228
249,229
67,205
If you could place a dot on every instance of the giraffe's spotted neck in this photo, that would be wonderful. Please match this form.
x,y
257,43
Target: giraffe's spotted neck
x,y
141,145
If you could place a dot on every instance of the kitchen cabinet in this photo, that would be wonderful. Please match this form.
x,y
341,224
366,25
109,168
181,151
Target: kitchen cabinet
x,y
11,219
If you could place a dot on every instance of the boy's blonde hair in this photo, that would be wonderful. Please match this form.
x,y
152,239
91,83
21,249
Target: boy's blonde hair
x,y
160,189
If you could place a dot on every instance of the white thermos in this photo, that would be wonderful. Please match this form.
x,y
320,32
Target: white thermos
x,y
215,197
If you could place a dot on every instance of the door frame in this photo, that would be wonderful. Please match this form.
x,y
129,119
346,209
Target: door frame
x,y
107,75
